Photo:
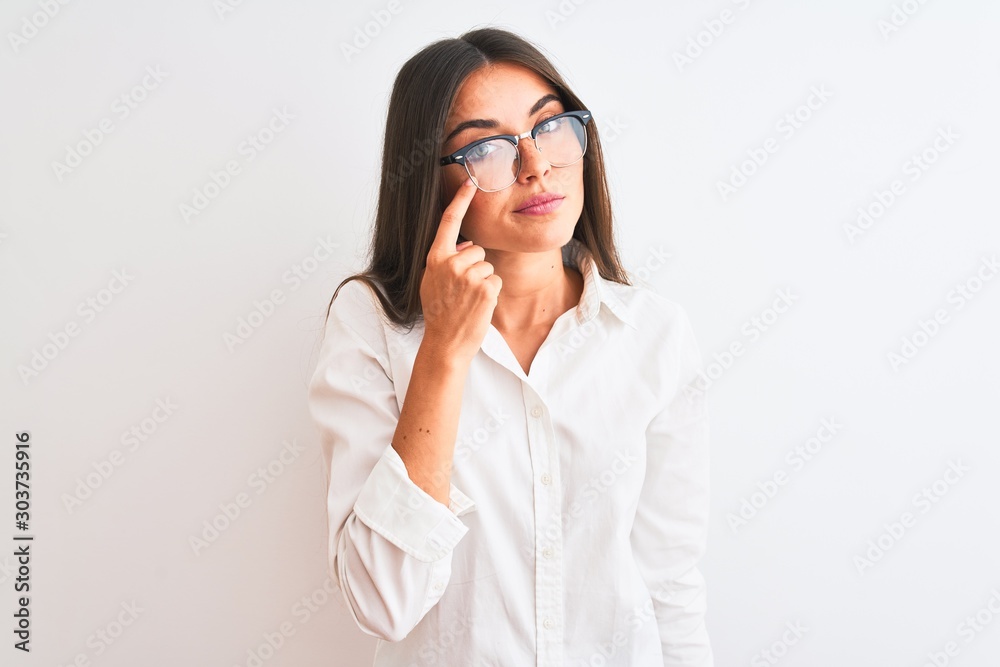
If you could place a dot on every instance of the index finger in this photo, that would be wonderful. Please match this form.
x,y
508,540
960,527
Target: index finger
x,y
451,219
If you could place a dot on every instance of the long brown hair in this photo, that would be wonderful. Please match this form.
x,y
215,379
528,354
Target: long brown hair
x,y
410,201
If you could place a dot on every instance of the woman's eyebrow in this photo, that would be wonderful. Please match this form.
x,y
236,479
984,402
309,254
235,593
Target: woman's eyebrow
x,y
492,123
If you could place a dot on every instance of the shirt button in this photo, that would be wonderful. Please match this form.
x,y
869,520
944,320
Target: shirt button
x,y
548,623
546,478
536,411
547,552
439,586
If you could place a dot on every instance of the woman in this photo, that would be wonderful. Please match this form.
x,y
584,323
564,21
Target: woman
x,y
540,497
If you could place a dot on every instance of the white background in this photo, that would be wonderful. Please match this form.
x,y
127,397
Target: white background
x,y
672,132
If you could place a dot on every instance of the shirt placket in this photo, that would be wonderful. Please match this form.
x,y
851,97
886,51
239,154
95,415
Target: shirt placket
x,y
547,487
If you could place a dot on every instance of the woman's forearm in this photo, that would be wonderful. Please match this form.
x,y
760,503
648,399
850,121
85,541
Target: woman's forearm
x,y
428,421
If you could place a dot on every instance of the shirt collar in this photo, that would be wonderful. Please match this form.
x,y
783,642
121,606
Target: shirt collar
x,y
596,289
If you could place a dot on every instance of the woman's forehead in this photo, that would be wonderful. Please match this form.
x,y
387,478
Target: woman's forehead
x,y
500,90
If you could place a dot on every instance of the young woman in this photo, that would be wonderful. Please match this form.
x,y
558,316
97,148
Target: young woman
x,y
517,464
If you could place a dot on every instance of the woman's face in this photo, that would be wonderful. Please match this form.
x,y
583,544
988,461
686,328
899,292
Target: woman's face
x,y
508,94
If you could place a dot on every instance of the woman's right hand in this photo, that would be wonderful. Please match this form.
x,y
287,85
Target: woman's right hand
x,y
458,290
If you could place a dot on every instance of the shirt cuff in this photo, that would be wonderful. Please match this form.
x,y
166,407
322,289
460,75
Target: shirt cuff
x,y
392,505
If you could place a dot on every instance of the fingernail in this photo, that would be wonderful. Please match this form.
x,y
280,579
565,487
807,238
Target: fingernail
x,y
468,181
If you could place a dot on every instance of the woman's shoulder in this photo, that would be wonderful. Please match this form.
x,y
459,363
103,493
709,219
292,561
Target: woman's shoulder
x,y
668,345
649,308
356,307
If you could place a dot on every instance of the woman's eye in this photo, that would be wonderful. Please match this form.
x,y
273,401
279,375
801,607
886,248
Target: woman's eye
x,y
480,151
549,126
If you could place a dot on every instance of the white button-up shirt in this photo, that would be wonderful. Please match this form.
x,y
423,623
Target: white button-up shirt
x,y
579,493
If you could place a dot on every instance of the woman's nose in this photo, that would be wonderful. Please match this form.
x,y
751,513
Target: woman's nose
x,y
533,161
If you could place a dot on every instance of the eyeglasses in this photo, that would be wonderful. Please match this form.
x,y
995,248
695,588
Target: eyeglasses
x,y
493,163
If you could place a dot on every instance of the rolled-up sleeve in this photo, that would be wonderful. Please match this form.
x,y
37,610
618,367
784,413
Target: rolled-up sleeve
x,y
671,524
390,543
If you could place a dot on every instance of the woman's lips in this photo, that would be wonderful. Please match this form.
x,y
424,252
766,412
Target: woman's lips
x,y
542,209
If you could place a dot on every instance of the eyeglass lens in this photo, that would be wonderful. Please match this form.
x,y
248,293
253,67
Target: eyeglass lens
x,y
493,164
